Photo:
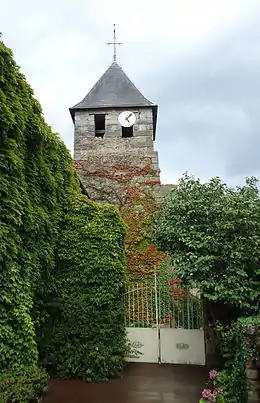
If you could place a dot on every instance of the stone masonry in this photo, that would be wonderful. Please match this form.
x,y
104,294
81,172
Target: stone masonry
x,y
111,95
94,153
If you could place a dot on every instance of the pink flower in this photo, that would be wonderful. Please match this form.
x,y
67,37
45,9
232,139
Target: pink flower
x,y
213,374
206,393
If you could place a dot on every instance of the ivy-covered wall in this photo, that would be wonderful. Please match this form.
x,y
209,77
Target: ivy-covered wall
x,y
38,189
88,339
35,172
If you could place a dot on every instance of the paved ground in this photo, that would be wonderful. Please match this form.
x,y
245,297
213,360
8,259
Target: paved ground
x,y
142,383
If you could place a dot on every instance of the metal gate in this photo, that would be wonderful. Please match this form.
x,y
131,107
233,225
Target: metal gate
x,y
164,322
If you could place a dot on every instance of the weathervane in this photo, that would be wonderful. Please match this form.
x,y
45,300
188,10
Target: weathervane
x,y
114,43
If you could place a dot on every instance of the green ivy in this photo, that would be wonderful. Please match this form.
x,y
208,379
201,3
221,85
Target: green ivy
x,y
36,179
17,330
48,230
88,339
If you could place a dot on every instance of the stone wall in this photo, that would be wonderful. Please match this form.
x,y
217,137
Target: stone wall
x,y
93,154
86,144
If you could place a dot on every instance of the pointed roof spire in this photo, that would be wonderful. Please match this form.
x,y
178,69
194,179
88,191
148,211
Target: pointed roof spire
x,y
113,89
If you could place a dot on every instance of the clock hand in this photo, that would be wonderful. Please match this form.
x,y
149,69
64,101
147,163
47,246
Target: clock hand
x,y
126,118
129,115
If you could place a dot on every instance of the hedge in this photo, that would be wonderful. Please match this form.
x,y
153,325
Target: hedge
x,y
88,339
38,187
36,177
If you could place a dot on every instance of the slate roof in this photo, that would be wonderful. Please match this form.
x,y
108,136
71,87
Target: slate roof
x,y
113,89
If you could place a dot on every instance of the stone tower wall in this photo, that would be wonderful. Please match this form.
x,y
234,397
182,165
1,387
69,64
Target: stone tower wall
x,y
92,154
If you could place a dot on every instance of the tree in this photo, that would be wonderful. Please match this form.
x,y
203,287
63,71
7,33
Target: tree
x,y
212,233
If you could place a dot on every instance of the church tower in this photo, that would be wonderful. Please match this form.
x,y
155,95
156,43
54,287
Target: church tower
x,y
115,126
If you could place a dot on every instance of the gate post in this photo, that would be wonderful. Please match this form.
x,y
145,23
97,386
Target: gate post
x,y
157,316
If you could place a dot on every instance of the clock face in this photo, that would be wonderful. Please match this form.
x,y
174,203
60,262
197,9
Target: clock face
x,y
127,118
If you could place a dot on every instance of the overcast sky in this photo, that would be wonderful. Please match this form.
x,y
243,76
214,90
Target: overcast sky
x,y
199,60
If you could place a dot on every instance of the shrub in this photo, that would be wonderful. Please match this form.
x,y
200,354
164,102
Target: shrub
x,y
22,385
236,351
215,393
87,337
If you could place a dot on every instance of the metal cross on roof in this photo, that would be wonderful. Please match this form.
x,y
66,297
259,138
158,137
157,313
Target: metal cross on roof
x,y
115,43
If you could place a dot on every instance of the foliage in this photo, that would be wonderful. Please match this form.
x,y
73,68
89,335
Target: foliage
x,y
23,385
179,306
217,393
237,350
15,299
212,233
133,189
88,340
44,235
35,174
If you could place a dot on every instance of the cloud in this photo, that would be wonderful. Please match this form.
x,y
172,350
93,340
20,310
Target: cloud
x,y
213,105
199,60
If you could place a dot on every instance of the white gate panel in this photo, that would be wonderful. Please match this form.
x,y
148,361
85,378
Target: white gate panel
x,y
164,322
145,340
182,346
